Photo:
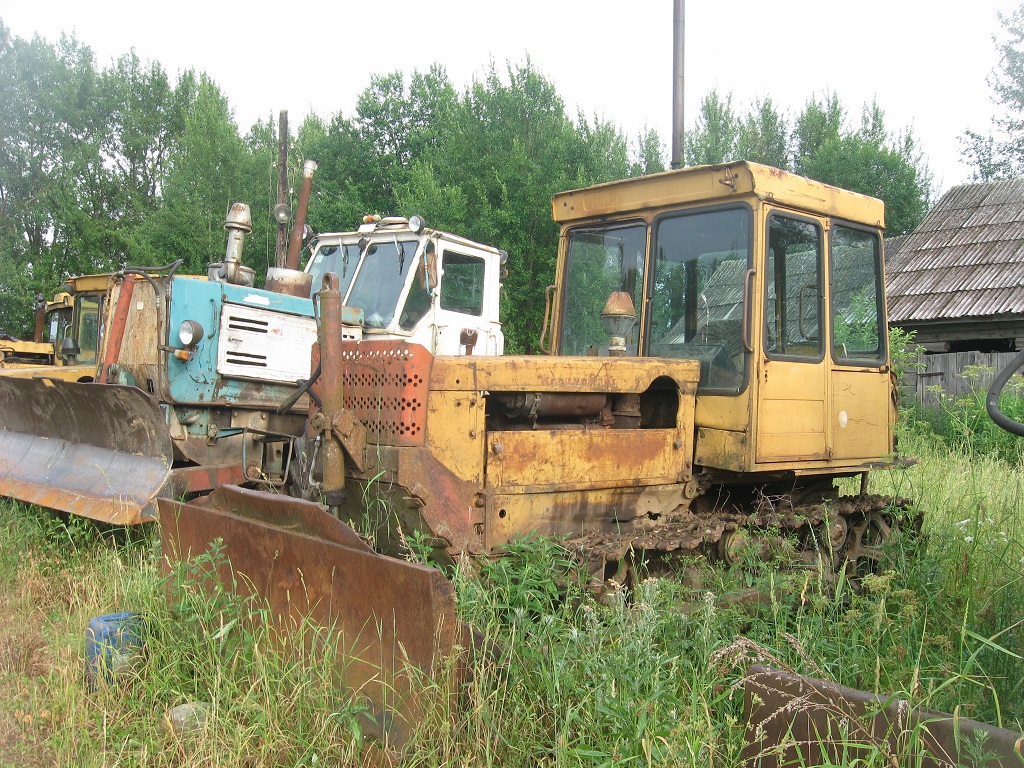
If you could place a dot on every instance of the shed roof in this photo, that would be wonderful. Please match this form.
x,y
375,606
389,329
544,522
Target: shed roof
x,y
965,260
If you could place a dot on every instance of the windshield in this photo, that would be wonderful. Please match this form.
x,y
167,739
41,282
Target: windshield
x,y
339,259
697,306
383,273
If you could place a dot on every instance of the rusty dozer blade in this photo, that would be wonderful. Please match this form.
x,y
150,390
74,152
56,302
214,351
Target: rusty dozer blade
x,y
395,621
94,450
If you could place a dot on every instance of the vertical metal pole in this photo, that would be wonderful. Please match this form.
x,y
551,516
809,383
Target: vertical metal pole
x,y
678,36
281,254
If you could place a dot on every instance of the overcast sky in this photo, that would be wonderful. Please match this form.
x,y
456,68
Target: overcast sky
x,y
925,62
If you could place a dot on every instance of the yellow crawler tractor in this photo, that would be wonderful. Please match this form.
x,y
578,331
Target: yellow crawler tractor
x,y
68,334
717,360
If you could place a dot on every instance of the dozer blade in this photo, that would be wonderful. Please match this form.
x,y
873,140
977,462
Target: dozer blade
x,y
394,621
95,450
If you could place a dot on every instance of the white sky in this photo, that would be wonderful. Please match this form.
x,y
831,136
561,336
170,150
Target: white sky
x,y
925,61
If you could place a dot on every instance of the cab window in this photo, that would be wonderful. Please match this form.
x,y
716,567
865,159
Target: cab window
x,y
696,311
88,326
858,310
462,283
599,262
793,289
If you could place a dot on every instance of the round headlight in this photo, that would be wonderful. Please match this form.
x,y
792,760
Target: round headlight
x,y
417,224
189,333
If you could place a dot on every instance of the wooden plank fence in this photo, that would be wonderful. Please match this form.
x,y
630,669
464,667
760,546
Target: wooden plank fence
x,y
953,374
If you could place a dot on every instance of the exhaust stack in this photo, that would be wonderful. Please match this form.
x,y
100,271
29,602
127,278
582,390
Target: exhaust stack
x,y
231,270
290,279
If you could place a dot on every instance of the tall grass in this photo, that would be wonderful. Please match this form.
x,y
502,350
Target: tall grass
x,y
648,678
269,707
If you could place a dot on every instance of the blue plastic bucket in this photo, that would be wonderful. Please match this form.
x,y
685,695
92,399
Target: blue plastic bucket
x,y
112,643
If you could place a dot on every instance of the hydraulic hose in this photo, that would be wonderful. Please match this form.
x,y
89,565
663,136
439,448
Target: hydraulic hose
x,y
992,400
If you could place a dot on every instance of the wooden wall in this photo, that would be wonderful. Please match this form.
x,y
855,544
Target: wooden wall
x,y
954,373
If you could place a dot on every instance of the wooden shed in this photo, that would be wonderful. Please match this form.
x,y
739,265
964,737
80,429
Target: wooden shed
x,y
958,279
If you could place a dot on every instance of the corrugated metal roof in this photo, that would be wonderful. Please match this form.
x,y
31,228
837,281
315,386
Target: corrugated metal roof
x,y
966,259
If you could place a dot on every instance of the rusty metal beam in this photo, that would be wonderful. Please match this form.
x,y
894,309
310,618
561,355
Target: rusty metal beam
x,y
794,721
200,479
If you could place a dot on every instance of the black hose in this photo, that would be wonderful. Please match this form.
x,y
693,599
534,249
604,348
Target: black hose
x,y
992,400
303,389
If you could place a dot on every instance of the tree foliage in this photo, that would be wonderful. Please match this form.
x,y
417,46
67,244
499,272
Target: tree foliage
x,y
821,145
999,154
102,168
105,167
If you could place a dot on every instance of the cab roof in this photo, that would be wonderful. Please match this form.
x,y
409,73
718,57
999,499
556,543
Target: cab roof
x,y
714,183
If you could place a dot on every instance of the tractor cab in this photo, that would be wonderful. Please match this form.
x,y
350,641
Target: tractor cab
x,y
773,282
419,285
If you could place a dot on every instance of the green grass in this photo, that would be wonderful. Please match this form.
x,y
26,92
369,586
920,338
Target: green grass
x,y
651,678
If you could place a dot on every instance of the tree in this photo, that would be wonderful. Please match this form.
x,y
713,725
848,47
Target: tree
x,y
713,138
867,160
818,124
208,169
54,188
1000,153
763,136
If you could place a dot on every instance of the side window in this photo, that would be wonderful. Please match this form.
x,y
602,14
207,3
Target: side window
x,y
793,289
858,322
462,283
59,321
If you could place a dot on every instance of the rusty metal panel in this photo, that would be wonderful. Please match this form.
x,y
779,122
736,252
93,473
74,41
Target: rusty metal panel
x,y
576,458
201,479
545,373
579,512
394,621
455,433
794,721
449,505
94,450
143,317
386,384
723,449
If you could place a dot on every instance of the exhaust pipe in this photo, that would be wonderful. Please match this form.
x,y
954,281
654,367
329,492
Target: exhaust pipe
x,y
308,169
290,279
231,270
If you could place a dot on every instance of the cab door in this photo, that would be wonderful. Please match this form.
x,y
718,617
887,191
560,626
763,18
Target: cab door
x,y
860,396
793,368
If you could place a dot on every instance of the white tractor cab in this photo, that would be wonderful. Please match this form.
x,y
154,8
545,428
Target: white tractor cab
x,y
424,286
